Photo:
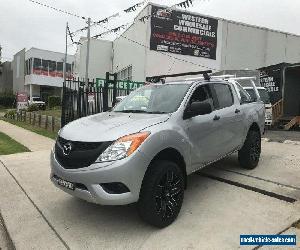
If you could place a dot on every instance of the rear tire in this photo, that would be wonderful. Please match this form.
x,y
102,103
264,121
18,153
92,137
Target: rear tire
x,y
249,154
161,194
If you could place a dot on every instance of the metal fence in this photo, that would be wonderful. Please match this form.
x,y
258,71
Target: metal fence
x,y
80,99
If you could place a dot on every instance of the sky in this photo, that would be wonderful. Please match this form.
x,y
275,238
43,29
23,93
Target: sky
x,y
24,24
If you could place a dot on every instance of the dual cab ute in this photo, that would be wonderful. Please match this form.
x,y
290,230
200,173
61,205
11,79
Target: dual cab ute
x,y
143,150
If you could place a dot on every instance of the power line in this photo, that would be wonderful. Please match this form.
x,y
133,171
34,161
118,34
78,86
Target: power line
x,y
181,4
57,9
107,19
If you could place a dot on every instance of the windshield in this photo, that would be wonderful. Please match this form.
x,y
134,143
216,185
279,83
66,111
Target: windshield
x,y
154,99
264,96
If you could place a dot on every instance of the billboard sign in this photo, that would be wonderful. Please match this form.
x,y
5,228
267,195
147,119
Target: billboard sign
x,y
182,33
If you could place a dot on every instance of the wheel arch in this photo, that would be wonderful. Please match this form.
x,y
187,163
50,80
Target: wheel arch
x,y
173,155
254,127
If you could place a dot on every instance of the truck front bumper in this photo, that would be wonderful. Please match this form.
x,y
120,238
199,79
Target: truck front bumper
x,y
88,182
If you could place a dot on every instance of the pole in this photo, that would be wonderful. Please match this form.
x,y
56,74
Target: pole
x,y
88,52
63,111
66,52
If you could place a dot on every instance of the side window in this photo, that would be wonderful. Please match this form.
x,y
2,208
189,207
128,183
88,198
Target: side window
x,y
224,95
202,94
244,96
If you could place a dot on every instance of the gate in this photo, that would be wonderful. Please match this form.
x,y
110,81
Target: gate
x,y
79,100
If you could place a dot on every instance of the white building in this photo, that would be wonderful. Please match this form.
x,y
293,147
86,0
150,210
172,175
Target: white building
x,y
180,41
40,72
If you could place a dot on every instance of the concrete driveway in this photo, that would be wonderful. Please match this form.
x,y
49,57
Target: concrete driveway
x,y
220,203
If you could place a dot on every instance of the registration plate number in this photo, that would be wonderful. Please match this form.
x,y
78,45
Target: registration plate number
x,y
65,184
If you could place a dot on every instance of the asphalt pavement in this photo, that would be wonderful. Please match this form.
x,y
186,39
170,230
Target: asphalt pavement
x,y
222,201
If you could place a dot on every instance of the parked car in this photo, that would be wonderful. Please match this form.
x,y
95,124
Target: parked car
x,y
36,100
264,96
144,149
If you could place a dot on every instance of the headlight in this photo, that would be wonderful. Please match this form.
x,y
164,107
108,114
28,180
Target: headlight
x,y
123,147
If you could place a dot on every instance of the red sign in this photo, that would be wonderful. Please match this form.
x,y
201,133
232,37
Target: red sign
x,y
22,97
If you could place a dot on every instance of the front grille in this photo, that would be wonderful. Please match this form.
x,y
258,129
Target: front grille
x,y
81,155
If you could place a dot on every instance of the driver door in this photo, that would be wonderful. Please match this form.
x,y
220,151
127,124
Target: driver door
x,y
201,130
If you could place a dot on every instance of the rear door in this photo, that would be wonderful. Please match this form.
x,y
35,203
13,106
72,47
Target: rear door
x,y
229,116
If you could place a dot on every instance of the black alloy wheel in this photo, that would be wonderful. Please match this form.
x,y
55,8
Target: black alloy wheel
x,y
161,195
249,154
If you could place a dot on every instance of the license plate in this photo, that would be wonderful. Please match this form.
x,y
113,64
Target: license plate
x,y
65,184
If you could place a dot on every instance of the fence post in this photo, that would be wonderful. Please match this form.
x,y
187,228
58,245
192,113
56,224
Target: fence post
x,y
46,122
105,93
52,123
33,122
115,90
40,120
63,105
29,117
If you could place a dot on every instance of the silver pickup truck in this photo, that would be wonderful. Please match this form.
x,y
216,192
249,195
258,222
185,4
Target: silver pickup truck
x,y
144,149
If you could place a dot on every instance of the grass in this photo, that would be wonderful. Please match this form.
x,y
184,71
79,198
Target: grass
x,y
29,127
10,146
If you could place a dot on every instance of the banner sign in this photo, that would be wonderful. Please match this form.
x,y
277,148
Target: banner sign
x,y
121,85
182,33
271,79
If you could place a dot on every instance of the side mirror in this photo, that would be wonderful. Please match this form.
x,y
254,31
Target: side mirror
x,y
197,108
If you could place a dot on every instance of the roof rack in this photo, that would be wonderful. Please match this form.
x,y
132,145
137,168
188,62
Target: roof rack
x,y
160,78
214,77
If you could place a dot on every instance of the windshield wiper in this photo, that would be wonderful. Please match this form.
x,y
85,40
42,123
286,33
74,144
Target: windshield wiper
x,y
141,111
132,111
156,112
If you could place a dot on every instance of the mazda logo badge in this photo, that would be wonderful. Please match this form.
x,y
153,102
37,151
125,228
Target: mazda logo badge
x,y
67,148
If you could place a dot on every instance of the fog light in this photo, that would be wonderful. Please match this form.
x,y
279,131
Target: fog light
x,y
114,188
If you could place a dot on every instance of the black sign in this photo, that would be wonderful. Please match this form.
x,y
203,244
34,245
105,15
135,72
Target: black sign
x,y
271,80
182,33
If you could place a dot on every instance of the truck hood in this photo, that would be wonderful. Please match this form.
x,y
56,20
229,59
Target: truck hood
x,y
109,126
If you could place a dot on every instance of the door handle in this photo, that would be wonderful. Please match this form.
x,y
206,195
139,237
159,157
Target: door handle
x,y
216,118
237,111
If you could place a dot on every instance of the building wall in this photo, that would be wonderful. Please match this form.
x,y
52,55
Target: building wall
x,y
100,59
18,66
21,81
249,47
239,46
128,53
6,77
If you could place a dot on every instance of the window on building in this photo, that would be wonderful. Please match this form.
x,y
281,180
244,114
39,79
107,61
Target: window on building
x,y
69,70
125,74
59,69
27,67
52,68
224,95
45,67
37,65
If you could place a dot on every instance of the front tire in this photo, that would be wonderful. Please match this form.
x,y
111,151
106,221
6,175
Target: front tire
x,y
161,194
249,154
